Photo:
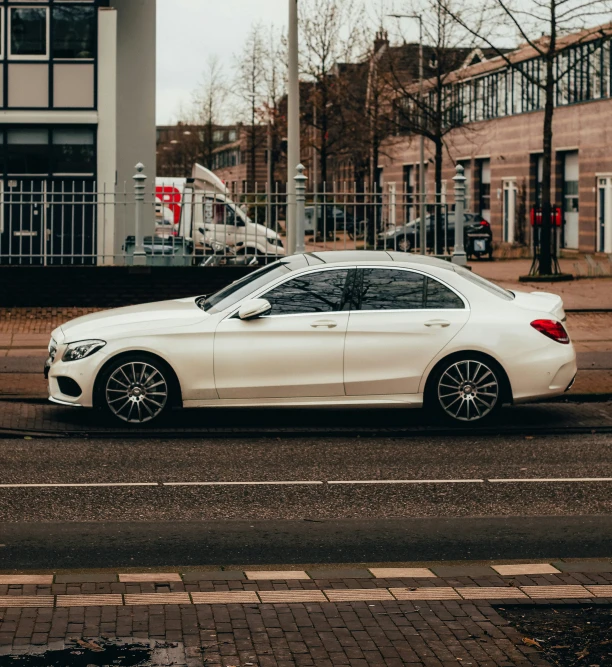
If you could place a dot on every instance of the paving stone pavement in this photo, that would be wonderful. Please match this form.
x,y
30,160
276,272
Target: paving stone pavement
x,y
282,617
359,634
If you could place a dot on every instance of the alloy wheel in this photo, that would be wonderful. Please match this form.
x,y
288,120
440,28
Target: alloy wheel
x,y
136,392
468,390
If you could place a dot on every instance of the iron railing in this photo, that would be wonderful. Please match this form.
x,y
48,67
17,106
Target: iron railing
x,y
74,222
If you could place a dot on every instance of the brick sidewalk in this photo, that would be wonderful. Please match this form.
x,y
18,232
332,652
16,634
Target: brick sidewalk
x,y
359,632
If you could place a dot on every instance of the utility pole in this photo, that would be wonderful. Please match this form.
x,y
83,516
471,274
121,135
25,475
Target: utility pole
x,y
293,122
422,225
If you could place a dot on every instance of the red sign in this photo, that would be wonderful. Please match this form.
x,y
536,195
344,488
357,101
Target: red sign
x,y
170,197
535,216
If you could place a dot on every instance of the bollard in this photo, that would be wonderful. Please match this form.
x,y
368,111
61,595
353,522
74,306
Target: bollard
x,y
300,200
140,257
459,256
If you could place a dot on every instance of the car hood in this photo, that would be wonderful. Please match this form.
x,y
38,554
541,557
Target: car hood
x,y
540,301
130,319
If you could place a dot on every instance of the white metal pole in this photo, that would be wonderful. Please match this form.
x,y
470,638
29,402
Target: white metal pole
x,y
293,121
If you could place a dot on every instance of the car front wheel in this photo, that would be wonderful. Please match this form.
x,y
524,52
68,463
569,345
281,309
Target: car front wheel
x,y
136,389
467,390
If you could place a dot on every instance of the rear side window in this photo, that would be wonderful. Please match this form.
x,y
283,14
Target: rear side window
x,y
439,296
394,289
388,289
319,292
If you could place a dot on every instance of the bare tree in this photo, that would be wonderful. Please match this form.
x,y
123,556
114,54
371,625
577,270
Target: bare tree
x,y
550,28
330,34
207,108
250,87
435,111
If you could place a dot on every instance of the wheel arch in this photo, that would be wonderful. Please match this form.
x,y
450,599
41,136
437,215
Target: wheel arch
x,y
507,396
176,394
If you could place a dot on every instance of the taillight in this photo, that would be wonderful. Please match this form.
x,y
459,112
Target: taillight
x,y
552,329
484,223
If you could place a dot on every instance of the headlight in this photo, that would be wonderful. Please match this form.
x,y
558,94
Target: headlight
x,y
52,349
82,349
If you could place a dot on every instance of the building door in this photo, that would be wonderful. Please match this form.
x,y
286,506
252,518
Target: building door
x,y
570,200
509,212
604,214
24,221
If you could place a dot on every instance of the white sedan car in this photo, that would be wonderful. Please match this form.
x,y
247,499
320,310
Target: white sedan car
x,y
351,328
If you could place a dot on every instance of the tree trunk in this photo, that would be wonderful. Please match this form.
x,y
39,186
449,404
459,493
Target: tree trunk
x,y
439,145
545,264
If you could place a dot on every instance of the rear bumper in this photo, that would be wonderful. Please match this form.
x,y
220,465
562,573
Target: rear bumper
x,y
548,374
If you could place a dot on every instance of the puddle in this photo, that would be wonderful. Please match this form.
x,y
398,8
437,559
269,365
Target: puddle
x,y
100,653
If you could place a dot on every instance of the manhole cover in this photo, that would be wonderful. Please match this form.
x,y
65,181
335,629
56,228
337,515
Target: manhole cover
x,y
99,653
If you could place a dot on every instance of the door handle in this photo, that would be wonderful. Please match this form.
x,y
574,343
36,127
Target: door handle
x,y
438,323
330,324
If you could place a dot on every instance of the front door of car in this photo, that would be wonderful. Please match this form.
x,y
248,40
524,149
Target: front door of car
x,y
400,320
295,351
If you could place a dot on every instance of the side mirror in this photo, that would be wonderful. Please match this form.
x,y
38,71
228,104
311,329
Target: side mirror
x,y
253,309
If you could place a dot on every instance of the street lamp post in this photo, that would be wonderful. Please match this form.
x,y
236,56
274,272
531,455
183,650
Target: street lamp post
x,y
293,122
422,230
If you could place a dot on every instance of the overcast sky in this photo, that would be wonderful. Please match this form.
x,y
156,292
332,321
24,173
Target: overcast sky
x,y
189,31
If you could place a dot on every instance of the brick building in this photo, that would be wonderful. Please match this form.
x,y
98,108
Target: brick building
x,y
500,144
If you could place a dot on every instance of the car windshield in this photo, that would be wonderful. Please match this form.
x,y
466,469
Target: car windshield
x,y
233,293
485,284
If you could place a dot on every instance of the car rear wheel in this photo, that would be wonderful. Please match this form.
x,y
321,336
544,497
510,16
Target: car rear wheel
x,y
467,390
136,389
404,244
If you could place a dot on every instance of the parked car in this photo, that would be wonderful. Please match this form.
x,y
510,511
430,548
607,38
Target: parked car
x,y
477,235
344,329
332,219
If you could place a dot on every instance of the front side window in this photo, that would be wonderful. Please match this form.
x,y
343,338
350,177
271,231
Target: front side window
x,y
74,29
232,294
388,289
28,36
320,292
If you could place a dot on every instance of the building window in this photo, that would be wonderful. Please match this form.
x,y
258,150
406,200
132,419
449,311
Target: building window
x,y
73,151
218,136
27,151
485,189
29,28
232,136
74,31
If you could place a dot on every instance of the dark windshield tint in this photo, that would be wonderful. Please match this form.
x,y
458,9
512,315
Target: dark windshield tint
x,y
319,292
233,293
388,289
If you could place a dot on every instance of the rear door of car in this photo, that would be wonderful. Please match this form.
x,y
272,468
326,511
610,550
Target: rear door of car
x,y
399,321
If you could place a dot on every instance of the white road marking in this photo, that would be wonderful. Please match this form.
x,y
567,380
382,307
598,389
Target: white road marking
x,y
551,479
42,486
517,480
290,483
408,481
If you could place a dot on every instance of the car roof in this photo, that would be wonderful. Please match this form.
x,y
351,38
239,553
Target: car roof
x,y
366,257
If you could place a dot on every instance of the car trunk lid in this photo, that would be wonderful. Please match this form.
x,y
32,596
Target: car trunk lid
x,y
541,302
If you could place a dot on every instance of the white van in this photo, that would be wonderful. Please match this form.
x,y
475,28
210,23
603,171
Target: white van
x,y
205,213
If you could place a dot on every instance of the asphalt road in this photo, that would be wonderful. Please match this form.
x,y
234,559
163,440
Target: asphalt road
x,y
316,499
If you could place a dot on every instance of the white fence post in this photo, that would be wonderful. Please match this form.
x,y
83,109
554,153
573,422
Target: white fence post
x,y
300,199
459,256
140,256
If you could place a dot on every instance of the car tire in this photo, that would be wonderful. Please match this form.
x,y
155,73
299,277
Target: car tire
x,y
136,389
404,244
466,390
